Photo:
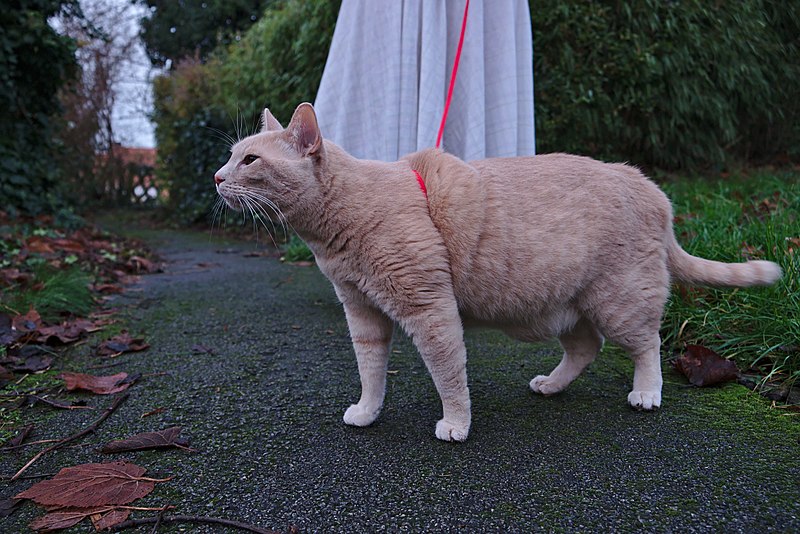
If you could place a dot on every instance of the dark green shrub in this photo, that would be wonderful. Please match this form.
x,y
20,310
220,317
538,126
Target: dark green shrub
x,y
200,106
35,62
669,84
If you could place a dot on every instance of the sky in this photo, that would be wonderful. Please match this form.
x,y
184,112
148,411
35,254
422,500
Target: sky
x,y
134,103
133,84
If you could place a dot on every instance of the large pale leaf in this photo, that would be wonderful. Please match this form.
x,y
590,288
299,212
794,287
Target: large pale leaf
x,y
89,485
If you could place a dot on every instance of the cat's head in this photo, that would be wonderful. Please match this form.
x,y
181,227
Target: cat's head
x,y
275,168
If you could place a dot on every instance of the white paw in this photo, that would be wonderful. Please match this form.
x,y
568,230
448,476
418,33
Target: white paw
x,y
356,415
544,385
644,400
447,431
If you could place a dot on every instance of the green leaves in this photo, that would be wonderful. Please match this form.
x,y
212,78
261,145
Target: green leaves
x,y
200,105
675,85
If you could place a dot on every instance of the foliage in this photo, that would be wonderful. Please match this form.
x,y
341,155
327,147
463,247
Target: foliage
x,y
57,291
753,217
35,62
669,84
193,28
296,250
278,63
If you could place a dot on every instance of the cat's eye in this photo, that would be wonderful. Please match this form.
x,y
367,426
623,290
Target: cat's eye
x,y
250,158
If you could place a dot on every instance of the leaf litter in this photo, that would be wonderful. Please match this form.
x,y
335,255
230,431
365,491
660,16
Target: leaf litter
x,y
149,440
704,367
100,385
98,491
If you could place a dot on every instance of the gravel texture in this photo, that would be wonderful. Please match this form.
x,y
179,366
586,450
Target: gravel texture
x,y
259,370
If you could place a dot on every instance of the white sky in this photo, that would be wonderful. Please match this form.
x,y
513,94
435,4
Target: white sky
x,y
134,102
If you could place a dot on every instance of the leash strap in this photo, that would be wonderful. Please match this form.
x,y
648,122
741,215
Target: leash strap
x,y
453,76
421,184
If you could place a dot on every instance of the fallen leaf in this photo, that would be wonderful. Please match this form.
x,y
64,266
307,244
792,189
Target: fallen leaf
x,y
7,506
40,245
5,374
137,265
20,437
107,289
14,276
66,332
90,485
704,367
32,364
121,343
102,385
69,245
29,322
7,332
107,520
793,244
61,519
147,440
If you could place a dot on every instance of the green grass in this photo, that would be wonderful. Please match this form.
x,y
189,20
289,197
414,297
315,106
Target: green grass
x,y
54,292
732,220
296,250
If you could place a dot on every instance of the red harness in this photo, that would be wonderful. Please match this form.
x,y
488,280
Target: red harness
x,y
421,183
449,94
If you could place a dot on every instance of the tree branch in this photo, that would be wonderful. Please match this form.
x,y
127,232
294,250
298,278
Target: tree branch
x,y
88,430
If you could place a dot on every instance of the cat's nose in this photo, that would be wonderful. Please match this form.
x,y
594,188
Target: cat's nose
x,y
218,179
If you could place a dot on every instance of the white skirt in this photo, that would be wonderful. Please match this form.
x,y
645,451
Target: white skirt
x,y
385,82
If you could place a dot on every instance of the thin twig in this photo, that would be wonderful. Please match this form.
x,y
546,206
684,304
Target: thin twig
x,y
159,518
133,523
27,444
88,430
58,404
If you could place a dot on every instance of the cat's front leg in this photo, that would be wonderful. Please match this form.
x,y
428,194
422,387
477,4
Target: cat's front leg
x,y
371,333
439,336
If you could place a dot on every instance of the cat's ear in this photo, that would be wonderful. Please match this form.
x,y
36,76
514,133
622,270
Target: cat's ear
x,y
269,123
304,131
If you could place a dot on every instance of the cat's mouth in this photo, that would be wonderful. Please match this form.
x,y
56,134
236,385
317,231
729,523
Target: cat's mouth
x,y
231,199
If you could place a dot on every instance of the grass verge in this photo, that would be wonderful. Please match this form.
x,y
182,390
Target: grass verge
x,y
753,216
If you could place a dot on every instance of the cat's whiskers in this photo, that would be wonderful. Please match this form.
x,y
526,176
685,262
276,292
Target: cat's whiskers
x,y
255,204
216,213
263,202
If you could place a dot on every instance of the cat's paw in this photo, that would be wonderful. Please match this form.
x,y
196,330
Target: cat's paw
x,y
544,385
447,431
356,415
644,400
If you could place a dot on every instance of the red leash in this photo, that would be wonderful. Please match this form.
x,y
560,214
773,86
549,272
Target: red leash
x,y
453,76
449,94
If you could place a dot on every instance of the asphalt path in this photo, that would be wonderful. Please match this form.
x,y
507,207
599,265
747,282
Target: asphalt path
x,y
252,358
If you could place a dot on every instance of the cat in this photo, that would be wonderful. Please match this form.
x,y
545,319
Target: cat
x,y
539,247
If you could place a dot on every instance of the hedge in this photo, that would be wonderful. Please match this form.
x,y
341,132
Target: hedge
x,y
687,86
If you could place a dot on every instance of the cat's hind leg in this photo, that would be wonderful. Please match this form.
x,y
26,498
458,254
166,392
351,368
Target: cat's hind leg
x,y
632,321
581,345
371,333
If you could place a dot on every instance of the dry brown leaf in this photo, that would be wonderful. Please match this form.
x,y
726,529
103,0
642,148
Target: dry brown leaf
x,y
121,343
107,520
147,440
61,519
92,485
101,385
29,322
704,367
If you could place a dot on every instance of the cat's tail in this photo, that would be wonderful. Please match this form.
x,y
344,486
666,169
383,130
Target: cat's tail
x,y
698,271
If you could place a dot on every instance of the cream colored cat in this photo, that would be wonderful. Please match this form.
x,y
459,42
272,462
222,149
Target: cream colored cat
x,y
546,246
